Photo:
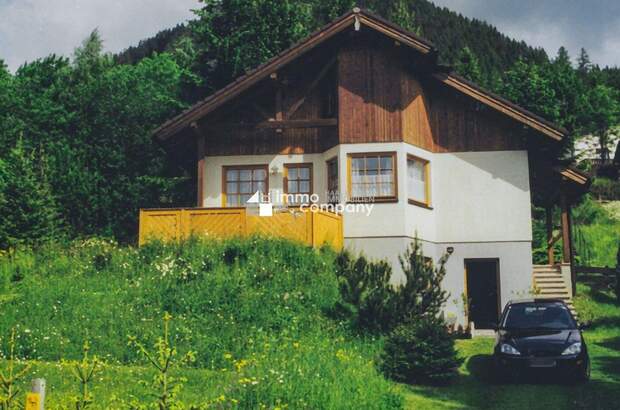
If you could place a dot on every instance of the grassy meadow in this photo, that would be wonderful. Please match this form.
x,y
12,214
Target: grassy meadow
x,y
258,315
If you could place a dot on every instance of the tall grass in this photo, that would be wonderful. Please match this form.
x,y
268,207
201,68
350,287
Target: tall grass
x,y
596,234
253,310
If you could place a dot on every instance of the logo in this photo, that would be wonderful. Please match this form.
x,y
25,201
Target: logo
x,y
310,202
264,209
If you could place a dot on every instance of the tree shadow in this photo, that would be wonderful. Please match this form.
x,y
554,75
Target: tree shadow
x,y
610,366
606,321
611,343
600,288
478,387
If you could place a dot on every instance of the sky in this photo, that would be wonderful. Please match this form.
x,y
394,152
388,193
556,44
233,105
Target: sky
x,y
30,29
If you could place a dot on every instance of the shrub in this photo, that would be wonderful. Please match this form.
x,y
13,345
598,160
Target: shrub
x,y
367,295
374,304
420,351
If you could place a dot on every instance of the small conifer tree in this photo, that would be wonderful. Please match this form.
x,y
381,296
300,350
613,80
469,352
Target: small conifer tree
x,y
421,294
28,208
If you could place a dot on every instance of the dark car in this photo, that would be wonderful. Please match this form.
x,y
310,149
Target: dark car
x,y
540,334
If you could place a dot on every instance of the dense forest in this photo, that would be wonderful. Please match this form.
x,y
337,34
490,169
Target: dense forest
x,y
76,154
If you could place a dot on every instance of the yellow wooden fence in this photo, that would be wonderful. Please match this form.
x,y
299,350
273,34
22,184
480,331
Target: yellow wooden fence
x,y
311,227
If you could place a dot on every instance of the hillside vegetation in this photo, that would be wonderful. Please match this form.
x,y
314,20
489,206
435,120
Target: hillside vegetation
x,y
255,311
264,335
597,232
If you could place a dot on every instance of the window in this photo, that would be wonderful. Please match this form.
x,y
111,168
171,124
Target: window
x,y
333,195
241,182
418,187
372,177
298,183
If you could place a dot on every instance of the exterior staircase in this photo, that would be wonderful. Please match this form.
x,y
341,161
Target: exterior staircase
x,y
549,283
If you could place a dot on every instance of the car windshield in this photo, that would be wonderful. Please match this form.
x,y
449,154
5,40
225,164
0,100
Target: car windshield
x,y
538,316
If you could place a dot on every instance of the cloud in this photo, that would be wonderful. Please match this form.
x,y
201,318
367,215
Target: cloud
x,y
593,24
30,29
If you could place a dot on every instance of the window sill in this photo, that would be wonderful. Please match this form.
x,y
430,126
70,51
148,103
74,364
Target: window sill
x,y
420,204
375,201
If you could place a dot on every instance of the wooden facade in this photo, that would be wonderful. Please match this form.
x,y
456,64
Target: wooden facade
x,y
383,100
361,89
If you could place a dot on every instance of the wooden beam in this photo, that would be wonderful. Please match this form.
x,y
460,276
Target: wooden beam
x,y
293,109
200,160
567,240
279,114
315,123
566,234
396,34
260,110
506,108
550,239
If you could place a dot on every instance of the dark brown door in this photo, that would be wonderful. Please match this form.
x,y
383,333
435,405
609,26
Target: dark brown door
x,y
483,292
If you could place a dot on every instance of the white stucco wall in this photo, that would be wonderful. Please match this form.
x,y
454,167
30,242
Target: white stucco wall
x,y
480,207
482,196
212,187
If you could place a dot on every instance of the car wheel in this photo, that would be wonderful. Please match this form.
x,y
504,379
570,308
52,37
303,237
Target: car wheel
x,y
583,375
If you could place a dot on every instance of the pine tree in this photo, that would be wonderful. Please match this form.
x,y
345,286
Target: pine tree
x,y
468,66
583,62
401,13
237,35
28,208
529,85
568,88
421,294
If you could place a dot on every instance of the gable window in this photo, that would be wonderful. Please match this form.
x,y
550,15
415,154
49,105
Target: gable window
x,y
241,182
372,177
298,183
333,195
418,184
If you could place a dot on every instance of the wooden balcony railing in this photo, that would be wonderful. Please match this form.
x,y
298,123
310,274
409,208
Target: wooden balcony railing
x,y
314,228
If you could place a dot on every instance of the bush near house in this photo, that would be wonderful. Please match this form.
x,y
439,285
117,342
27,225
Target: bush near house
x,y
418,348
373,303
420,351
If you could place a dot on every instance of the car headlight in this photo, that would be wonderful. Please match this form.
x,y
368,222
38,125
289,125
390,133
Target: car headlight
x,y
575,348
508,349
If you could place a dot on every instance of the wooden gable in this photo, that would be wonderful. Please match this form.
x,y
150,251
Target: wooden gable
x,y
357,80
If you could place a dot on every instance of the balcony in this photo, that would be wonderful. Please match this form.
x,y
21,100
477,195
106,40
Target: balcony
x,y
314,228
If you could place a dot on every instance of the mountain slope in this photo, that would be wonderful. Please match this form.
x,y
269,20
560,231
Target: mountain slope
x,y
449,31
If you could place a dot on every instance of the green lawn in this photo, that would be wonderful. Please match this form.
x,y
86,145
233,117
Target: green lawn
x,y
475,389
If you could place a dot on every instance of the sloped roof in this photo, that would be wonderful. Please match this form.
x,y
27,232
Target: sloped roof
x,y
355,17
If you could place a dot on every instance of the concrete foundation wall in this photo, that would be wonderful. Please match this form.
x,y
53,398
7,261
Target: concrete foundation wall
x,y
515,266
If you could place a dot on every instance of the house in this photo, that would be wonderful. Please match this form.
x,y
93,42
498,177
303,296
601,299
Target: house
x,y
360,112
